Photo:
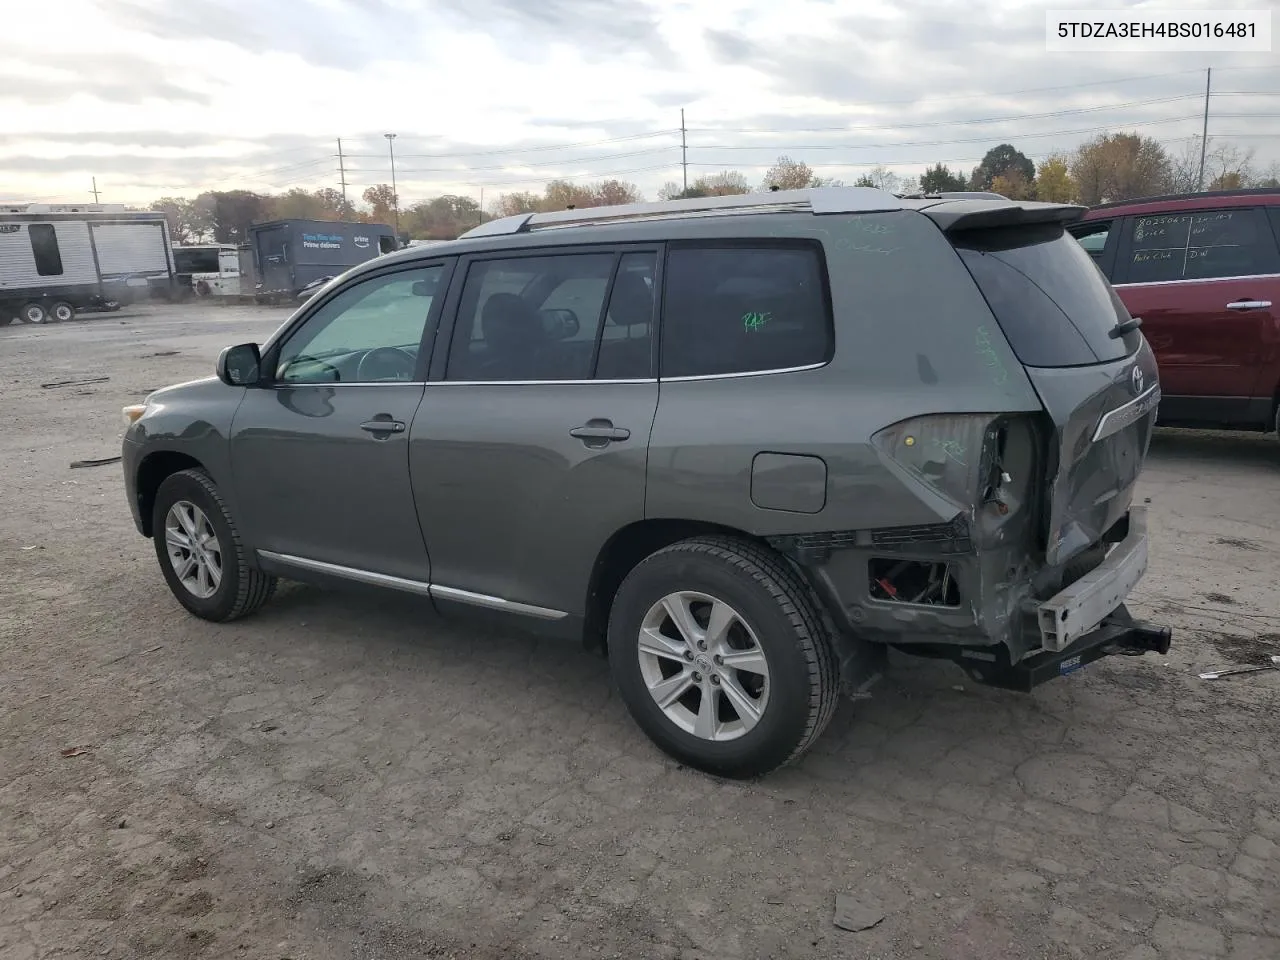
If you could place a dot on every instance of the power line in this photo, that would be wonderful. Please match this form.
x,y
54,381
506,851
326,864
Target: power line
x,y
542,148
508,166
937,143
952,123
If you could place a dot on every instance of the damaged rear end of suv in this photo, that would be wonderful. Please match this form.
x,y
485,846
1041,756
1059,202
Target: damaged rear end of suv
x,y
1029,540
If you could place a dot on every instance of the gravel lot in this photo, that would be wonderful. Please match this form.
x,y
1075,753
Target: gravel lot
x,y
347,776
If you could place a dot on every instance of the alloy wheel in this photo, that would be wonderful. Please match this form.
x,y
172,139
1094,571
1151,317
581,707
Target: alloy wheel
x,y
704,666
193,548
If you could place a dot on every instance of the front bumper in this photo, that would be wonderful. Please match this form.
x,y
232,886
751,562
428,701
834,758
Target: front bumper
x,y
130,453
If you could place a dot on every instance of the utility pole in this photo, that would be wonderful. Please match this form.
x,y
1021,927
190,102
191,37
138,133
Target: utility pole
x,y
482,204
395,197
1204,131
342,177
684,150
95,189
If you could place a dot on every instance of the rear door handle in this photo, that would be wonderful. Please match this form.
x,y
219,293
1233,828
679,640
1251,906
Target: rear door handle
x,y
383,427
600,430
1248,305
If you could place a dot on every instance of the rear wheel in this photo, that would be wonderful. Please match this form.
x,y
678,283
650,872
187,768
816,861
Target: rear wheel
x,y
200,553
721,656
61,312
34,312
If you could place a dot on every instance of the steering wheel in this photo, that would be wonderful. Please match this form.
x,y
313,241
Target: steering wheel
x,y
386,363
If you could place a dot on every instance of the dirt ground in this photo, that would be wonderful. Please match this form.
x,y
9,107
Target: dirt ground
x,y
347,776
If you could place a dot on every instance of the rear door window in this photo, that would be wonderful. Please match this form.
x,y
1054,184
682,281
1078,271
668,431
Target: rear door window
x,y
1202,245
1093,236
1050,299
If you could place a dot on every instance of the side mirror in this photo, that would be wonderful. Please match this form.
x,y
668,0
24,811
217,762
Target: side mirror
x,y
423,288
239,366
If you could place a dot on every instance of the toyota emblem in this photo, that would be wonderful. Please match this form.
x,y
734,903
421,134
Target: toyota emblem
x,y
1135,380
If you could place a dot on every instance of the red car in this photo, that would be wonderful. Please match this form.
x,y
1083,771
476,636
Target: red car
x,y
1203,272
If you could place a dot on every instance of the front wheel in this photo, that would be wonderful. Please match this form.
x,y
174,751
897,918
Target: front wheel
x,y
61,312
720,654
200,553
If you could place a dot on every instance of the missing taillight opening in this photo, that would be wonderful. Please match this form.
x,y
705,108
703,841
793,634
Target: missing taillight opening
x,y
913,581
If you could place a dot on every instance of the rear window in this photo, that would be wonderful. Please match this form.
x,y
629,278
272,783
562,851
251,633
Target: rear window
x,y
1052,302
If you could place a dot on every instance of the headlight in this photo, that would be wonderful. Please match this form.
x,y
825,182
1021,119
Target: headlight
x,y
136,411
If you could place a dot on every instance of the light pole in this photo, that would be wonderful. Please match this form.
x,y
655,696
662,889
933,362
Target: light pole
x,y
395,196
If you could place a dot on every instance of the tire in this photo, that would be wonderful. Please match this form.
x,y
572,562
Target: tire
x,y
61,312
772,607
241,589
34,312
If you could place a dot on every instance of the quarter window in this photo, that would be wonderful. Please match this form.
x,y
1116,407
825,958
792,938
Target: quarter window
x,y
371,332
744,309
44,246
1203,245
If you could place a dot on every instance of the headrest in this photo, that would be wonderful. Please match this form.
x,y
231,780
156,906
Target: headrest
x,y
508,321
632,301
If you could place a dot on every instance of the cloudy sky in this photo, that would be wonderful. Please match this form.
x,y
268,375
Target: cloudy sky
x,y
161,97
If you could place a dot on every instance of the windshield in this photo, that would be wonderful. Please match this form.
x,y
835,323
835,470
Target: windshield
x,y
1052,302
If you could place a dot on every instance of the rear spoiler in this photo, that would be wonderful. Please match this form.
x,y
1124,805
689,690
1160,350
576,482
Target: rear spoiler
x,y
957,215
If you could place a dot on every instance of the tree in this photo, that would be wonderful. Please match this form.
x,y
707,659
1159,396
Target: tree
x,y
723,184
231,212
189,222
612,193
1001,161
510,204
1228,167
1120,166
332,201
940,179
324,204
563,194
1012,184
443,218
1053,180
788,174
879,177
382,201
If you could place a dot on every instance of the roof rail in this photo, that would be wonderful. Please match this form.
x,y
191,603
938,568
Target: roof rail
x,y
956,195
1203,194
816,200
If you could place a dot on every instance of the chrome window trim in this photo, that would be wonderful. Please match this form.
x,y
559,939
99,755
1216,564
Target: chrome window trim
x,y
689,379
1165,283
287,384
530,383
746,373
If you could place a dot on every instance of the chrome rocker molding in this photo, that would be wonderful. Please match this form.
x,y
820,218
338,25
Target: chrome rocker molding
x,y
421,588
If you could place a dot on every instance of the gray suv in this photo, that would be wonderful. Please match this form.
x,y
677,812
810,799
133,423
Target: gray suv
x,y
742,444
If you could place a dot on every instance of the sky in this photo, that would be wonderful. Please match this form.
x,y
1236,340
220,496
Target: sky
x,y
159,98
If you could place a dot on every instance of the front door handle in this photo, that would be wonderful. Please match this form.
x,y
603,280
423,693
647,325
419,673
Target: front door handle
x,y
1248,305
382,428
600,431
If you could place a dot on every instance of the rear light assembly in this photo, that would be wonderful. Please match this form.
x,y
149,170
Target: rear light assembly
x,y
973,460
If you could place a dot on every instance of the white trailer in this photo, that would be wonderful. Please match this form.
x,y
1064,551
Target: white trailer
x,y
59,258
208,269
